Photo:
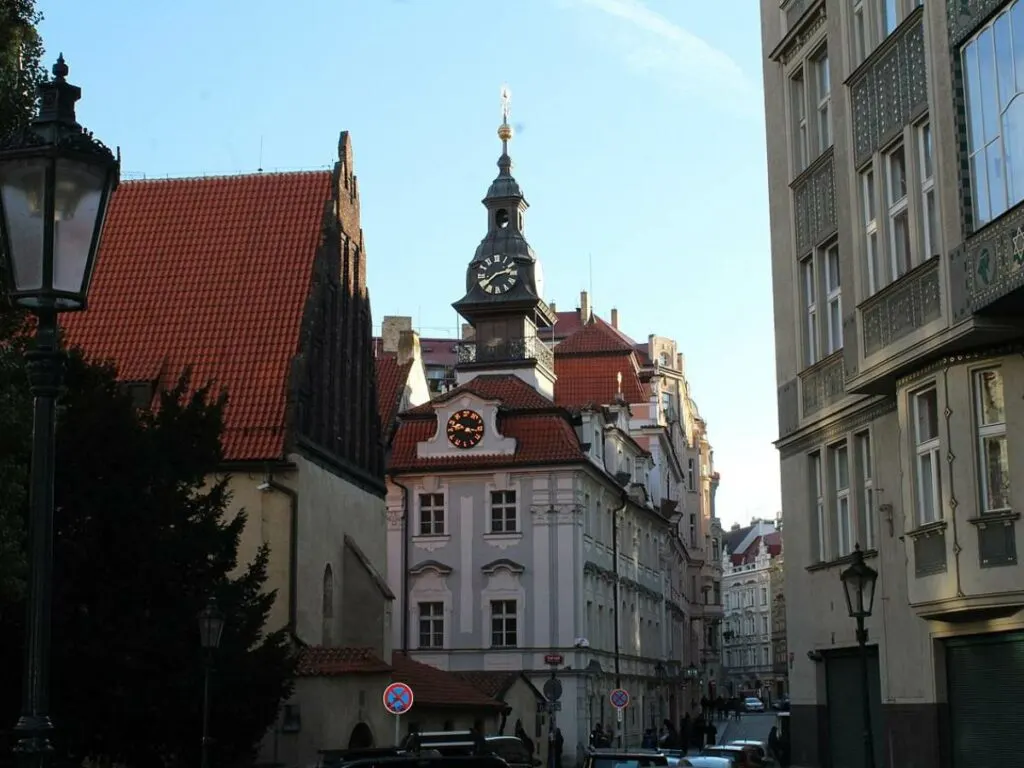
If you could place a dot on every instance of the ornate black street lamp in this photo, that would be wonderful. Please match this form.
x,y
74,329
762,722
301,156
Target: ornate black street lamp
x,y
55,183
859,588
211,625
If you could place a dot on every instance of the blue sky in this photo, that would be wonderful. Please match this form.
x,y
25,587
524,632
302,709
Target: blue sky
x,y
640,146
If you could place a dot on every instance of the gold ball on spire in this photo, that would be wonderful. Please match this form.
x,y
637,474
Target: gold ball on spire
x,y
505,132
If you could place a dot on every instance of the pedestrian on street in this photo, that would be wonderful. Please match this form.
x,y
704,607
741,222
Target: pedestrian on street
x,y
712,733
559,747
684,733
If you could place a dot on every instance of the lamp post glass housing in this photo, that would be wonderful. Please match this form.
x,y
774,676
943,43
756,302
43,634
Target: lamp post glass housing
x,y
859,586
55,183
211,625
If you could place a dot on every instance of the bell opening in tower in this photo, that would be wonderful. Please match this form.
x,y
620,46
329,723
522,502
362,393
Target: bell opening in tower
x,y
501,218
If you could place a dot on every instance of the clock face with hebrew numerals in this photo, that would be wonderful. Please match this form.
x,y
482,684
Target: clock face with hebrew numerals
x,y
497,274
465,428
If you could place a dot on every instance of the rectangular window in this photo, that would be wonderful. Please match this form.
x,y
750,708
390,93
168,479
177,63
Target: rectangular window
x,y
993,66
841,485
764,595
810,291
865,473
818,494
927,477
835,299
890,16
689,475
899,213
860,37
504,624
929,225
877,272
823,97
798,108
993,464
431,625
431,514
503,512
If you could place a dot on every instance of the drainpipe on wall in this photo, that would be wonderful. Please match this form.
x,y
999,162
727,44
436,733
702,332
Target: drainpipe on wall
x,y
405,564
269,484
615,587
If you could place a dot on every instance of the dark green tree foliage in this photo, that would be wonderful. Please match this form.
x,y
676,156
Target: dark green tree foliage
x,y
21,51
142,540
20,73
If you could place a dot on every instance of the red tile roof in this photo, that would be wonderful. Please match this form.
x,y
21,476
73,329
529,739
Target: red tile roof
x,y
391,382
493,684
212,274
540,439
436,688
594,338
317,661
512,391
568,323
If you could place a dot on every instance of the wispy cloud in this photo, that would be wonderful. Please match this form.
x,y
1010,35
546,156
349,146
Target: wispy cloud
x,y
659,47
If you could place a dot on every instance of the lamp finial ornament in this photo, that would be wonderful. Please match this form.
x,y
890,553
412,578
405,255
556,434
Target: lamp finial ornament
x,y
505,130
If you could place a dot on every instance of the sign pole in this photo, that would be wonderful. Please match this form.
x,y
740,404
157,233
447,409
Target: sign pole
x,y
398,730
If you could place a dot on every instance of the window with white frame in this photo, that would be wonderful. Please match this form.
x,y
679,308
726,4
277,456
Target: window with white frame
x,y
823,99
926,165
859,29
993,69
798,109
431,514
818,496
865,473
890,16
503,512
899,211
431,625
873,254
994,466
834,298
689,475
504,624
841,485
927,476
810,295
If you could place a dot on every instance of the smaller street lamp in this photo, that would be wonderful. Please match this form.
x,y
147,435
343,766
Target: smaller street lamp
x,y
211,625
692,672
859,589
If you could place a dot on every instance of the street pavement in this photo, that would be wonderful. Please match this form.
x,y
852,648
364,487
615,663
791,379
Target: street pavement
x,y
751,725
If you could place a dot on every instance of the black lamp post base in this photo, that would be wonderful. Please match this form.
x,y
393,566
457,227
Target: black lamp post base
x,y
32,747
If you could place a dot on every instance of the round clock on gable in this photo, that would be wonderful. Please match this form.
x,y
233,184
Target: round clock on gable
x,y
465,428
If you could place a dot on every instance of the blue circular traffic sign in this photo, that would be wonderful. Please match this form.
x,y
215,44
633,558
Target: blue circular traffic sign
x,y
620,698
398,698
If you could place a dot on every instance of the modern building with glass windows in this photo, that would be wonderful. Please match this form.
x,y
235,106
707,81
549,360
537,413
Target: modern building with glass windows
x,y
896,174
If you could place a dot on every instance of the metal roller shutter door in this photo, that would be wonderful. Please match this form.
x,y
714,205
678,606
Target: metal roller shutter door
x,y
845,708
984,679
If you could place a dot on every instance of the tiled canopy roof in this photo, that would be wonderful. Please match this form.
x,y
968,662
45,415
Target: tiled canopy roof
x,y
392,378
210,274
493,684
317,661
436,688
587,365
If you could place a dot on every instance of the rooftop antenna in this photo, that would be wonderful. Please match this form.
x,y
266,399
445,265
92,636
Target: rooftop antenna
x,y
259,169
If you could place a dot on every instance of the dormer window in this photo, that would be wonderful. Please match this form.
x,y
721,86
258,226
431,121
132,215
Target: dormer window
x,y
663,360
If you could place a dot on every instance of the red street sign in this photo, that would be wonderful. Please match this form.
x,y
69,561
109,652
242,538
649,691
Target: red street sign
x,y
554,659
398,698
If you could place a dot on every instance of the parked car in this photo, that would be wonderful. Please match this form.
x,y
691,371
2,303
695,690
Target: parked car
x,y
781,704
708,761
625,758
753,704
757,749
739,755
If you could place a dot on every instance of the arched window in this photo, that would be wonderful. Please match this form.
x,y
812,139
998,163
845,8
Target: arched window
x,y
327,609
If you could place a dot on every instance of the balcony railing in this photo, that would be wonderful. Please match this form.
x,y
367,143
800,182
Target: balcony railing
x,y
530,348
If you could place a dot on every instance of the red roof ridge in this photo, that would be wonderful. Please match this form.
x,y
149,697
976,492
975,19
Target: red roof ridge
x,y
506,388
596,337
215,176
434,687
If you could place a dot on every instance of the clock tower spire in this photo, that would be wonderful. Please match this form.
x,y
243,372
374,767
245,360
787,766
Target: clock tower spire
x,y
504,299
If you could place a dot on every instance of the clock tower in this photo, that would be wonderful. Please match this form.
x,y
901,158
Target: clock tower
x,y
504,299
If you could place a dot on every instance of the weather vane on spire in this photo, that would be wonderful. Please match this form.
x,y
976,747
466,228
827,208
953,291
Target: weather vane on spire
x,y
505,130
506,104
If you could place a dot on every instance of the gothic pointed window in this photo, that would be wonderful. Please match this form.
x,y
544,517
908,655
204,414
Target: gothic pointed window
x,y
327,609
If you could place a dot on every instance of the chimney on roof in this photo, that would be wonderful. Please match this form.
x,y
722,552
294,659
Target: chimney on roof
x,y
553,307
468,332
391,331
615,318
584,308
408,347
